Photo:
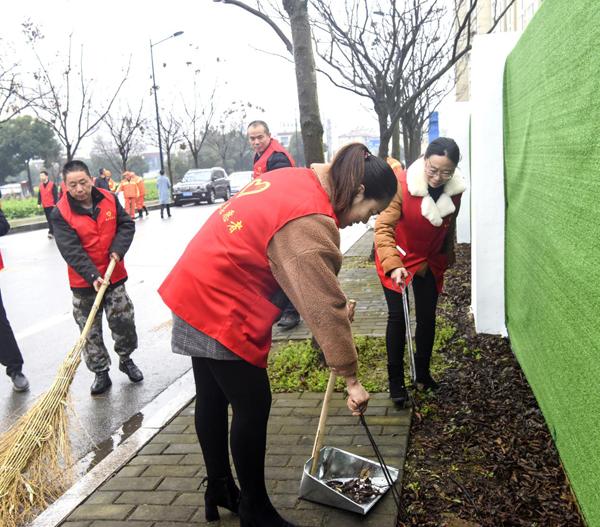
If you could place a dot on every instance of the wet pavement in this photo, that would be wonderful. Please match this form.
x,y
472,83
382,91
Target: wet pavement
x,y
153,478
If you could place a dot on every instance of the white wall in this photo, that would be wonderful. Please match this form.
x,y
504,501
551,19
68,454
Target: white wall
x,y
454,123
487,180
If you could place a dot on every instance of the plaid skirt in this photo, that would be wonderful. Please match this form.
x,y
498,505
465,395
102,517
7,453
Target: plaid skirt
x,y
187,340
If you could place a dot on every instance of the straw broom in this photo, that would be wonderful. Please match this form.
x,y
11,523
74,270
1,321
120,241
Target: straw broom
x,y
35,454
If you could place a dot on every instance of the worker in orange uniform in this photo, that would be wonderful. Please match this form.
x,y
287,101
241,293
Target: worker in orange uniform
x,y
130,192
140,205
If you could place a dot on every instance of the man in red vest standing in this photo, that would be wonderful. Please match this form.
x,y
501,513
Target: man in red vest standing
x,y
47,198
91,227
269,155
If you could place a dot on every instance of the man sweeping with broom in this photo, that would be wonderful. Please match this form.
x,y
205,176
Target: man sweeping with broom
x,y
90,227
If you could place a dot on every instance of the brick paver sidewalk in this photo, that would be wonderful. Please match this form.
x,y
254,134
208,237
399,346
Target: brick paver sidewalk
x,y
160,486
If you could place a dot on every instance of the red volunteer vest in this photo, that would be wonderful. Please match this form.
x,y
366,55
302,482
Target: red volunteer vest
x,y
1,262
421,240
222,284
260,166
46,194
96,237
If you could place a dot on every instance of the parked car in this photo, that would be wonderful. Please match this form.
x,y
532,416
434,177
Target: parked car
x,y
202,184
238,180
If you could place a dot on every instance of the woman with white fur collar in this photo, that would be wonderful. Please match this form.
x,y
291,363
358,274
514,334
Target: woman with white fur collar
x,y
414,238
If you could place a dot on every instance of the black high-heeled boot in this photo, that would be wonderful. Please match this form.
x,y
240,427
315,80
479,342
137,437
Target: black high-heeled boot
x,y
398,393
220,492
264,515
424,380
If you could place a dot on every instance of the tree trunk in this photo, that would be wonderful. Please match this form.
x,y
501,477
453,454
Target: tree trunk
x,y
306,81
412,141
396,141
29,182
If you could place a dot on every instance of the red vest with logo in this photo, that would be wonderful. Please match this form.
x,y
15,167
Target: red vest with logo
x,y
419,238
46,195
96,237
260,166
222,284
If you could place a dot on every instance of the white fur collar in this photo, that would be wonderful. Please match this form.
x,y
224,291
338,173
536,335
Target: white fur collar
x,y
434,211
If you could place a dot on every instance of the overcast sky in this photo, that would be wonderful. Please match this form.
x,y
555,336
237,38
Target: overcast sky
x,y
221,43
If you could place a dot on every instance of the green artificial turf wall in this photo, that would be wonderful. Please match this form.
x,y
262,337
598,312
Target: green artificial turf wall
x,y
552,157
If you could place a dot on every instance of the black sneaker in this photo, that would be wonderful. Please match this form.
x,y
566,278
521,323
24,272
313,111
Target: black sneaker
x,y
289,320
101,383
20,382
426,383
133,372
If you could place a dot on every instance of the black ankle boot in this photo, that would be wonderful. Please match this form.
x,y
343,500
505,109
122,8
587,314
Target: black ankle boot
x,y
424,380
398,393
221,492
265,515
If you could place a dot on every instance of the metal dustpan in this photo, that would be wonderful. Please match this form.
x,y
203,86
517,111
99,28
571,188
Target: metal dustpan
x,y
329,463
340,465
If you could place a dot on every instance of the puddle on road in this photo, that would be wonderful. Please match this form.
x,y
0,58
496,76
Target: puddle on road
x,y
106,447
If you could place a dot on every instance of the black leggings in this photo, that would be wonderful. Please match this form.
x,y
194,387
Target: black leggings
x,y
426,296
246,387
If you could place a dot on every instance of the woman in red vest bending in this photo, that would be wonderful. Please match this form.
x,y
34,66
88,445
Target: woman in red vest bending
x,y
414,238
225,291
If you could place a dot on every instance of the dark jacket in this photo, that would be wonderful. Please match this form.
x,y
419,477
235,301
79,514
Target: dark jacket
x,y
70,246
102,183
277,160
54,193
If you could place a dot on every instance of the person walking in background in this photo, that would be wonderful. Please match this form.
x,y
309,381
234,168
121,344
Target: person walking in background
x,y
164,194
10,354
130,193
101,181
225,293
269,155
140,204
91,227
47,198
414,240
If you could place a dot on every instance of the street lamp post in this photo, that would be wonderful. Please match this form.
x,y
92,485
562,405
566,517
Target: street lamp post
x,y
154,87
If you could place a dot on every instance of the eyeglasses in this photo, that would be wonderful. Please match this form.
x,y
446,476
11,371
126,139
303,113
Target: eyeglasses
x,y
444,175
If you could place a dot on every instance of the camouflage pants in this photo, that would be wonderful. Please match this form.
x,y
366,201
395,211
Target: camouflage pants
x,y
119,313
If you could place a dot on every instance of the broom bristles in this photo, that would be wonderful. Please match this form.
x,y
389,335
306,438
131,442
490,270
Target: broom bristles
x,y
35,454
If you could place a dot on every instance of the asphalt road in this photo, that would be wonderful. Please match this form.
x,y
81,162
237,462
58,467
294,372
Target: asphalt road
x,y
38,302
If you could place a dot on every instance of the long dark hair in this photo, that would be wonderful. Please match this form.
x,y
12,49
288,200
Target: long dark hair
x,y
444,146
354,166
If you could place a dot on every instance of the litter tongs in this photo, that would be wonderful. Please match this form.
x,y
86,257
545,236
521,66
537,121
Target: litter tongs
x,y
409,340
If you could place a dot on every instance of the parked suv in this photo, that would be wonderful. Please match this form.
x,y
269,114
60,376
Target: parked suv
x,y
202,184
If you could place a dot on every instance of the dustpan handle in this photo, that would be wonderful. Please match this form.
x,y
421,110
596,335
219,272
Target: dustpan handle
x,y
322,420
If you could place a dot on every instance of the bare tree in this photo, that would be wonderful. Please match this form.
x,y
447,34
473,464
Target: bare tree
x,y
228,137
66,102
306,78
12,96
379,50
199,121
125,130
171,135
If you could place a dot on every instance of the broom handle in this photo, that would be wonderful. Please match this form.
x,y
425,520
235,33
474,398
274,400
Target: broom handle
x,y
98,300
322,420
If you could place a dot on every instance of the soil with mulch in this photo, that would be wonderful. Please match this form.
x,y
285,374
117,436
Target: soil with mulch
x,y
480,453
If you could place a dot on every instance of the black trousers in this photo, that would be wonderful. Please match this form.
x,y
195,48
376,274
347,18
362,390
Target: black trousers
x,y
10,355
47,212
220,383
426,295
162,208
